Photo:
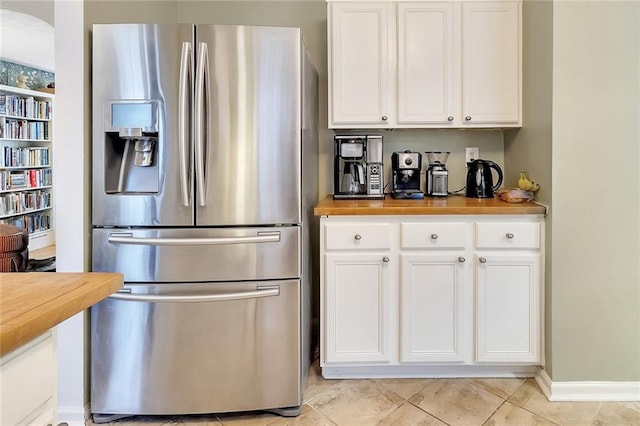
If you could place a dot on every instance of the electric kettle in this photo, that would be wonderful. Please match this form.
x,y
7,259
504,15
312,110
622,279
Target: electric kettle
x,y
480,179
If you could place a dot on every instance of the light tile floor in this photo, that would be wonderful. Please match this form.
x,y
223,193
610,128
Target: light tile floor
x,y
414,402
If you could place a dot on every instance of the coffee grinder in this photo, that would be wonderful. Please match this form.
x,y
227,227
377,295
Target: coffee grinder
x,y
406,168
437,175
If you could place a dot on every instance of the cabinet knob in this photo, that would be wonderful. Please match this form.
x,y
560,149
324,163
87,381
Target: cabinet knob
x,y
434,236
385,259
468,118
357,237
450,118
482,259
461,259
385,118
509,235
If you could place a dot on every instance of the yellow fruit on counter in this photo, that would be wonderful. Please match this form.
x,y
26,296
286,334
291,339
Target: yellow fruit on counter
x,y
523,182
534,186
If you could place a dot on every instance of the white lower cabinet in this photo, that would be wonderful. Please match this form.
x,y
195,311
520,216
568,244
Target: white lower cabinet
x,y
508,308
28,383
402,295
358,307
434,289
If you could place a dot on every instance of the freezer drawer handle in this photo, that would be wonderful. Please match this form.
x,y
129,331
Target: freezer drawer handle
x,y
128,238
262,291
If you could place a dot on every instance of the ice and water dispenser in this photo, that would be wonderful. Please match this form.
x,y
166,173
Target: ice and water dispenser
x,y
131,132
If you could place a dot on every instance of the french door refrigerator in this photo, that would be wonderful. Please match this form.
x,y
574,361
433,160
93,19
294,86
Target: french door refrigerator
x,y
204,180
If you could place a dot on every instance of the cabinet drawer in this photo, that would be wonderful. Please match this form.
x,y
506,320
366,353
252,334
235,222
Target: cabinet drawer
x,y
357,236
508,235
434,235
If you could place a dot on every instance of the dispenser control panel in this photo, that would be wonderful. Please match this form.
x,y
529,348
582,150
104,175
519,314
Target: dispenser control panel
x,y
129,116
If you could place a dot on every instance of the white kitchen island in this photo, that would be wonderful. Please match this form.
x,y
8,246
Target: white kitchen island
x,y
31,305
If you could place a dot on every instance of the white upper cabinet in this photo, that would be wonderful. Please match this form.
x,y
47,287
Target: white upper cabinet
x,y
428,67
491,68
360,64
424,64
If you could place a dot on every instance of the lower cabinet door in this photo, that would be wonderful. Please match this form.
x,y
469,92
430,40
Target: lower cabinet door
x,y
358,308
508,308
433,294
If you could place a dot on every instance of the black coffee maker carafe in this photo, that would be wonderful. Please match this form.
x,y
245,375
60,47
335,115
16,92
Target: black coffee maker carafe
x,y
480,180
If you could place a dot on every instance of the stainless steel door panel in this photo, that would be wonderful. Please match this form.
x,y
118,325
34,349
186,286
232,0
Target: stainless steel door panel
x,y
251,142
134,62
171,357
198,254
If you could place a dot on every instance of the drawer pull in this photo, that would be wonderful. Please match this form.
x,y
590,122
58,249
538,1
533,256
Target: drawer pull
x,y
462,259
357,237
385,259
434,236
509,235
482,259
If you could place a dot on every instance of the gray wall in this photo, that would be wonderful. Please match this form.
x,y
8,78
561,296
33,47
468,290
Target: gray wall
x,y
580,140
530,147
596,191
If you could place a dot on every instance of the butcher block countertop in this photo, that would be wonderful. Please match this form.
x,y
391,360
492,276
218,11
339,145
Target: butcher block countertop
x,y
33,302
427,206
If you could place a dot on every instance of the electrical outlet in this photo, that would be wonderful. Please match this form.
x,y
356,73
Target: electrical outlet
x,y
471,153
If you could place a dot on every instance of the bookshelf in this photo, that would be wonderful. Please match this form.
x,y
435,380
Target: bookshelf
x,y
26,169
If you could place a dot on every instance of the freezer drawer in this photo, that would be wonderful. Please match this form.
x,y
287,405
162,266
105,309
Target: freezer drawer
x,y
198,254
197,348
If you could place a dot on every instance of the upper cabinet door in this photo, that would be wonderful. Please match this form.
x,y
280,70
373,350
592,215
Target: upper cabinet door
x,y
360,67
491,63
428,64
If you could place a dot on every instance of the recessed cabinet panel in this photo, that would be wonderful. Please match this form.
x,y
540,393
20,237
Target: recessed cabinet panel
x,y
359,66
508,300
432,302
491,62
427,66
356,304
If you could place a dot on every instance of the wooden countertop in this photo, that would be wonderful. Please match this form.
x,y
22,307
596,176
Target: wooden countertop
x,y
33,302
428,206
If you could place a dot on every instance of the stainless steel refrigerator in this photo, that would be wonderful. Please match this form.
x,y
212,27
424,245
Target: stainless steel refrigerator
x,y
204,181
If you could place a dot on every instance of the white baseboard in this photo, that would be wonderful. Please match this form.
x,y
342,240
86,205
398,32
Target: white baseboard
x,y
73,416
587,391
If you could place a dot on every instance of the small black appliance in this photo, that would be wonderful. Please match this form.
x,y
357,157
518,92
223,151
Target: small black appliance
x,y
406,167
357,167
480,179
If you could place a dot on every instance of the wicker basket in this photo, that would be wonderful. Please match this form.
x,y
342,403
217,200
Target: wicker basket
x,y
14,248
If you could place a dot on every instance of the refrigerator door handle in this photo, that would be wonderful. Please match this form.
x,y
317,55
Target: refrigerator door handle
x,y
202,87
128,238
184,91
262,291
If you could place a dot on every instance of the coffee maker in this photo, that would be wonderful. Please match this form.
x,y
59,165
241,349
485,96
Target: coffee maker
x,y
405,167
357,167
437,174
